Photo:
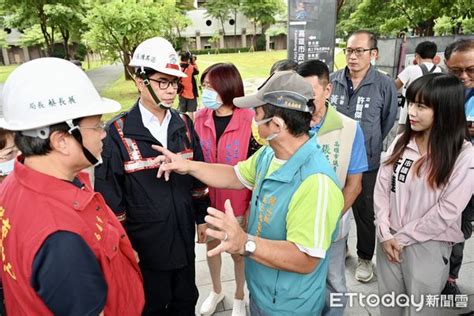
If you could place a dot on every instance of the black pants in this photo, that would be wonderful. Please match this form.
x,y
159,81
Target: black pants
x,y
455,260
171,292
2,303
363,209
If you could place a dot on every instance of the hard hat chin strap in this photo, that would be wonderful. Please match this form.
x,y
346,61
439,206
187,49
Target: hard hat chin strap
x,y
76,133
146,81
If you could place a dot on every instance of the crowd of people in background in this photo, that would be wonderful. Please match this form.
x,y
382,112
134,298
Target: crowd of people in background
x,y
271,178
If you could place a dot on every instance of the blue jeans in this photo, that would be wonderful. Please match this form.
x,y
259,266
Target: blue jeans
x,y
336,280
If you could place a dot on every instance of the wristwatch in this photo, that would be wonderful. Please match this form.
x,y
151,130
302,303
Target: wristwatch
x,y
250,246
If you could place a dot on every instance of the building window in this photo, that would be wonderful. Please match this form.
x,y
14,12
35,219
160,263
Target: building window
x,y
208,22
231,21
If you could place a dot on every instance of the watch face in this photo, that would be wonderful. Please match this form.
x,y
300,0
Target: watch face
x,y
250,246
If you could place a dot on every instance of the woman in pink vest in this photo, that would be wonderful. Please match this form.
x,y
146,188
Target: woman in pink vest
x,y
422,188
226,137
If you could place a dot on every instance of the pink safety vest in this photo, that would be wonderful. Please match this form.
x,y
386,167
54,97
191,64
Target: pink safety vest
x,y
233,147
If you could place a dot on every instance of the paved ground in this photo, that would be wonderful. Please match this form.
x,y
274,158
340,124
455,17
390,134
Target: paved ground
x,y
203,280
101,77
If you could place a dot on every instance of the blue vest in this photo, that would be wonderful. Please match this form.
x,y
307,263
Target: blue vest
x,y
279,292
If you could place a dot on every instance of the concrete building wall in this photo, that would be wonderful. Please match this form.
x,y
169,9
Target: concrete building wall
x,y
389,50
202,28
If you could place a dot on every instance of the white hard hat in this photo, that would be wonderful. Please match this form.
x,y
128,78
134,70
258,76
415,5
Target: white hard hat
x,y
47,91
158,54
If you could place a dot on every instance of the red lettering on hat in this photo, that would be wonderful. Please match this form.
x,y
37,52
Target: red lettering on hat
x,y
172,66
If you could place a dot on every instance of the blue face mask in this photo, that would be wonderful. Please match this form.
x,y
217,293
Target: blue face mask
x,y
209,99
6,167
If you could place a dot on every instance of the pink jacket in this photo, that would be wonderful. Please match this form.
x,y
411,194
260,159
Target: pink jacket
x,y
407,209
233,147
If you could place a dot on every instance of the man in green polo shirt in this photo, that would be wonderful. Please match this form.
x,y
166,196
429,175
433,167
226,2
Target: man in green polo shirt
x,y
295,206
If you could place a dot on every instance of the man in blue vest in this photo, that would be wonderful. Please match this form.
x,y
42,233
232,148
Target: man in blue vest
x,y
295,206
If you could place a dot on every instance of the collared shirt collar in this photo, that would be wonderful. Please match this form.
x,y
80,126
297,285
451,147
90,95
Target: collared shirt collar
x,y
158,130
331,121
149,118
369,78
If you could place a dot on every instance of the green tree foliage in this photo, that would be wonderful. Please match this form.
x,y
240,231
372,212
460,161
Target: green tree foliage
x,y
215,39
118,26
3,39
219,10
261,12
391,17
50,17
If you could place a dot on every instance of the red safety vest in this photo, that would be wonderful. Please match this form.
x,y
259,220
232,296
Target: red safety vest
x,y
187,82
32,207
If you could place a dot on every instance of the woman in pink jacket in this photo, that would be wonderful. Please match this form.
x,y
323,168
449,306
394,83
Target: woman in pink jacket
x,y
226,137
422,188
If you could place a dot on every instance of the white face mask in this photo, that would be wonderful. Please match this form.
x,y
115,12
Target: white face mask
x,y
6,167
261,122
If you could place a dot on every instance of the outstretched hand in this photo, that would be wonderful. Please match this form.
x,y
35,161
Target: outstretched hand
x,y
170,162
228,231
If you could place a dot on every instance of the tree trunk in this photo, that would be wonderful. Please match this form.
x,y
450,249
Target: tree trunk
x,y
254,35
223,32
235,28
127,70
44,29
65,35
340,3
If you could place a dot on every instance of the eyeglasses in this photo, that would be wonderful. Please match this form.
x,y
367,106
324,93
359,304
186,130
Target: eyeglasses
x,y
164,84
458,71
358,51
101,126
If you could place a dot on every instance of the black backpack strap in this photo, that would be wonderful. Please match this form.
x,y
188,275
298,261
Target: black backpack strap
x,y
424,69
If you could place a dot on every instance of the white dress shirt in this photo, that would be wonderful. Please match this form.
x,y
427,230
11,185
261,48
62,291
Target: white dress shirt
x,y
159,131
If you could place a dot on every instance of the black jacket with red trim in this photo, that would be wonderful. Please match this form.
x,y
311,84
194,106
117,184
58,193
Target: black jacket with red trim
x,y
159,215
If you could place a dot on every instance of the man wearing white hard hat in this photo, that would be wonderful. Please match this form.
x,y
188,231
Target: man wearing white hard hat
x,y
160,217
63,250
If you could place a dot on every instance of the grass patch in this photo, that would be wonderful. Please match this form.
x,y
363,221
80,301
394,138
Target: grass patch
x,y
250,65
5,71
122,91
339,60
93,64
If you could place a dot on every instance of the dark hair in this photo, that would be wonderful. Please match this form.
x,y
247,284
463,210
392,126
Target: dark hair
x,y
445,95
226,80
4,134
461,45
35,146
148,71
426,49
372,37
314,68
297,122
284,64
185,56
